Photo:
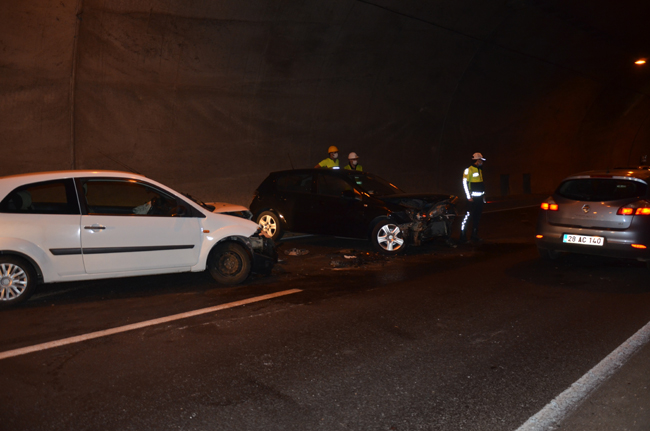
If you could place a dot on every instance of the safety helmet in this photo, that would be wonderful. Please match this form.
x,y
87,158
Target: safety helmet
x,y
477,156
332,149
353,156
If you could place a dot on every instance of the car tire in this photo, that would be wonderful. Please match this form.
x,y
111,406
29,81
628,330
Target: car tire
x,y
547,254
17,280
388,238
229,263
270,224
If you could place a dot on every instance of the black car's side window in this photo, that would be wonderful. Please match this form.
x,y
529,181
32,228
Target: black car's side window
x,y
49,197
294,183
124,197
330,185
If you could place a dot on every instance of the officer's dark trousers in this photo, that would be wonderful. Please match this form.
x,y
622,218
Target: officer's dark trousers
x,y
473,215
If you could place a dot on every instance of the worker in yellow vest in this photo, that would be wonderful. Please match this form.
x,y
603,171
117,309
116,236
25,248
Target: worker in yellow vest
x,y
353,162
475,193
332,162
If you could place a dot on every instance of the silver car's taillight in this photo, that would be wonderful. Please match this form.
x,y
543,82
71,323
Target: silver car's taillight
x,y
549,205
641,207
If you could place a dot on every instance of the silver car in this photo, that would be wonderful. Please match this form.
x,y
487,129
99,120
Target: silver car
x,y
604,213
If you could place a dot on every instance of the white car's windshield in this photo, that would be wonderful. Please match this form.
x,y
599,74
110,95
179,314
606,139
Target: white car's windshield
x,y
200,202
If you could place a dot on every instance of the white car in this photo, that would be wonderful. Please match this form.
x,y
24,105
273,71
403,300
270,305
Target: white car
x,y
83,225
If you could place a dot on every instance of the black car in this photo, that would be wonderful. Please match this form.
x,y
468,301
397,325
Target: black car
x,y
350,204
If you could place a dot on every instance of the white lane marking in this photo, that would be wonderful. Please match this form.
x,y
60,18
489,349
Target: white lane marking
x,y
510,209
553,413
107,332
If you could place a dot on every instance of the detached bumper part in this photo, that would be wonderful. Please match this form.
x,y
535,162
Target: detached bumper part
x,y
438,228
429,221
265,256
417,232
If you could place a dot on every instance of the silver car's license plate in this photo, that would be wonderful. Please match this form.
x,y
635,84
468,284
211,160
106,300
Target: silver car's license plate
x,y
583,239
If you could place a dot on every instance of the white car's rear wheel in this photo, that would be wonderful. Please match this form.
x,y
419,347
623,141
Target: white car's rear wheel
x,y
17,280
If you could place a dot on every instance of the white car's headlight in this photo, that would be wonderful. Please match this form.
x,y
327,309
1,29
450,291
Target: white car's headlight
x,y
243,214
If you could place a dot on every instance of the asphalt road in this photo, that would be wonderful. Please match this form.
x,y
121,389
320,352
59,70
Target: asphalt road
x,y
474,338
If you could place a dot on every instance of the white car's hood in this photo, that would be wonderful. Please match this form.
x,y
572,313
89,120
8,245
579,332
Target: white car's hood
x,y
225,207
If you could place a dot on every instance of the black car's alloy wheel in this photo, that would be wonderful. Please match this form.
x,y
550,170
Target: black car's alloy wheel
x,y
388,238
270,224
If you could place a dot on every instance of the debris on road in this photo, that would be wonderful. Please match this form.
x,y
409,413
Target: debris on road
x,y
296,252
355,259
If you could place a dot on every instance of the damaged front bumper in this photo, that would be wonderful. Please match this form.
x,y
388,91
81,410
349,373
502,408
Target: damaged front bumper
x,y
430,222
419,232
264,256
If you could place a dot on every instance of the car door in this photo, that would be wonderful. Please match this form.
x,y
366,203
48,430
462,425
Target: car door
x,y
133,226
295,198
44,217
339,207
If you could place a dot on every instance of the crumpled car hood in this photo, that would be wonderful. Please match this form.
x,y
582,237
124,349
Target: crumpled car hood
x,y
417,200
231,209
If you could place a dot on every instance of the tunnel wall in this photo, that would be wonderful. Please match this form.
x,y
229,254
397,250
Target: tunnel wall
x,y
209,97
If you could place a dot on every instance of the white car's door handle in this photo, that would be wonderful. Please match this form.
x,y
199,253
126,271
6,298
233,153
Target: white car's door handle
x,y
95,227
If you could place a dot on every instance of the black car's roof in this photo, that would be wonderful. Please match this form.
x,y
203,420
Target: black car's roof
x,y
323,170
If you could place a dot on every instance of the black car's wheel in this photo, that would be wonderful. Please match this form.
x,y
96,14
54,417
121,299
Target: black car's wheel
x,y
17,281
547,254
229,263
270,224
388,238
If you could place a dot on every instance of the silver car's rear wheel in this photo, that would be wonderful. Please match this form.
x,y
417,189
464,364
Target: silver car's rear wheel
x,y
547,254
270,224
388,238
17,281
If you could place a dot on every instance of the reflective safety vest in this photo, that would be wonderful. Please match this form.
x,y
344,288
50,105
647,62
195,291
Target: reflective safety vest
x,y
329,163
473,182
353,168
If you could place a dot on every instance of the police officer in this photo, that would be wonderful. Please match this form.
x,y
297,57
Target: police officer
x,y
332,162
475,192
353,162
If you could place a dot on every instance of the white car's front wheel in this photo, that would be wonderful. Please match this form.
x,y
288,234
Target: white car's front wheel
x,y
229,263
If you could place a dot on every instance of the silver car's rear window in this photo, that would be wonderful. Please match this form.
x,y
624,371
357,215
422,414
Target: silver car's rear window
x,y
601,189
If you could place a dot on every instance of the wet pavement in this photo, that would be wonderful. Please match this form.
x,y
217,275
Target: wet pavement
x,y
478,337
621,403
